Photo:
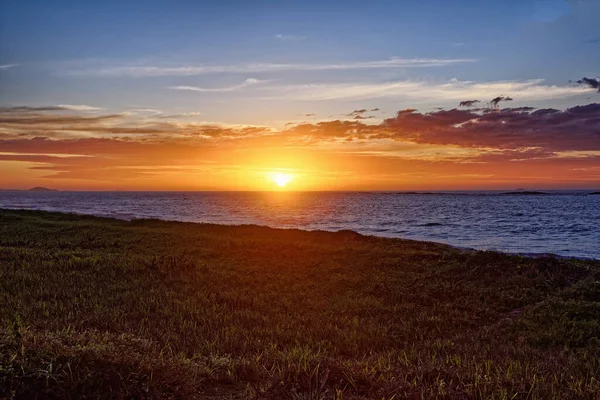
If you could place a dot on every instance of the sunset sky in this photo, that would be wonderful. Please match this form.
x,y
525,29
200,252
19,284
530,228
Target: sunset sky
x,y
191,95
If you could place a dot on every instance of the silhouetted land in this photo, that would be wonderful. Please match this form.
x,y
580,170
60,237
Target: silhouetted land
x,y
524,193
93,307
42,189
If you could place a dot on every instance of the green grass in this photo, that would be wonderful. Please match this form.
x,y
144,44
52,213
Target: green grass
x,y
93,307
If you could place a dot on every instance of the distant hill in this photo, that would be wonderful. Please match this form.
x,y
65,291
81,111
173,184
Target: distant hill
x,y
595,193
524,193
42,189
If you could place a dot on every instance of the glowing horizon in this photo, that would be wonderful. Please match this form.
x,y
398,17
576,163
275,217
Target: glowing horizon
x,y
457,149
135,96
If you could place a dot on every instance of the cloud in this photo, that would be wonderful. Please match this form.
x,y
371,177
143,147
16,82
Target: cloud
x,y
180,115
468,103
28,121
592,83
42,119
190,70
451,91
521,133
145,111
329,130
21,109
60,107
496,100
360,114
575,129
78,107
117,147
290,38
8,66
357,112
517,109
246,83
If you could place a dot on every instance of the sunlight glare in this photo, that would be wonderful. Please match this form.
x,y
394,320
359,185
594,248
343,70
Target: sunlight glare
x,y
281,179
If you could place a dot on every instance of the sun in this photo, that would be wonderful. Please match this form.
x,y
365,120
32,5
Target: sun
x,y
281,179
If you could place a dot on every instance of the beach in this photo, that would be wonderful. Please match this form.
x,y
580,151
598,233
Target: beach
x,y
99,307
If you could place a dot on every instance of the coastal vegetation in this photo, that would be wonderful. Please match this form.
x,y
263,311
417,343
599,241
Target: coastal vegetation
x,y
94,307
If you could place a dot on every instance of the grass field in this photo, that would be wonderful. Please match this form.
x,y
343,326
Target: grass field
x,y
93,307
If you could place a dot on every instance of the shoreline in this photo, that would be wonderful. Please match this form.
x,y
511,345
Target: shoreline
x,y
462,248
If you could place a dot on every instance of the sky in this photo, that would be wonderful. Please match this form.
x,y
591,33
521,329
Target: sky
x,y
379,95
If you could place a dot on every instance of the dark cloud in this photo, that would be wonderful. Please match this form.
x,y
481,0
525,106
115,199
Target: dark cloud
x,y
520,109
25,117
363,117
19,109
412,122
330,130
23,121
576,129
34,119
360,114
356,113
60,107
545,111
468,103
593,83
495,101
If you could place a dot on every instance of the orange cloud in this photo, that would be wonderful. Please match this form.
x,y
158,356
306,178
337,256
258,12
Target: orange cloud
x,y
446,149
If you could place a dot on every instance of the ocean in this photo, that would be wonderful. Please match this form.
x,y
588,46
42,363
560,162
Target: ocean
x,y
562,223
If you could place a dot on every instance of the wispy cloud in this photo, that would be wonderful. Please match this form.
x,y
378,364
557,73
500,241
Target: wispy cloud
x,y
117,149
453,90
8,66
59,107
468,103
27,121
145,111
180,115
78,107
247,82
290,38
190,70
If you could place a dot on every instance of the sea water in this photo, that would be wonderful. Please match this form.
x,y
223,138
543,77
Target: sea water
x,y
562,223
